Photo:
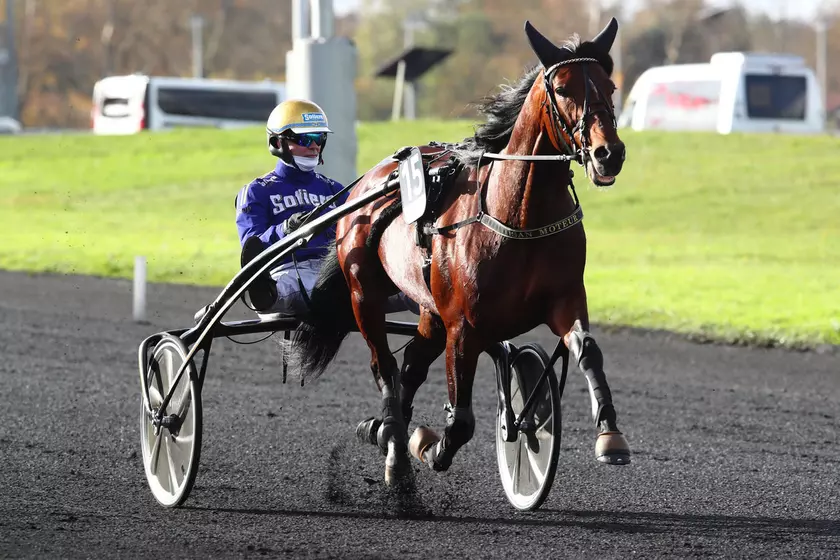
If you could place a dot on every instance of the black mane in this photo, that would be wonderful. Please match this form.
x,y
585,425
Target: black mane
x,y
503,109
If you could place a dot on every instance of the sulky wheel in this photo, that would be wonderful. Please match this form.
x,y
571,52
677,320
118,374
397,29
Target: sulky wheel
x,y
527,465
171,449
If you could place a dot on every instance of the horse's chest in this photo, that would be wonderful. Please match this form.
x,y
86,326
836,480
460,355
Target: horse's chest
x,y
522,273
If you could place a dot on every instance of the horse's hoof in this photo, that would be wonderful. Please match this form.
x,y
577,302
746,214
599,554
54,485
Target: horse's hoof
x,y
367,429
611,448
421,440
397,465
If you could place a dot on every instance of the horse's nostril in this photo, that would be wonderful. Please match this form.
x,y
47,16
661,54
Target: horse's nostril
x,y
621,149
601,153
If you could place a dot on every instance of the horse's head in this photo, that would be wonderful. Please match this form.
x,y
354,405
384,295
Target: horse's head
x,y
579,114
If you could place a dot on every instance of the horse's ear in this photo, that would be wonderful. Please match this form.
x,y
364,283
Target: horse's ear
x,y
548,53
606,37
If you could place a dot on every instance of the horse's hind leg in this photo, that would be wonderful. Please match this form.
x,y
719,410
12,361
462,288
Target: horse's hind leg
x,y
369,309
421,351
573,325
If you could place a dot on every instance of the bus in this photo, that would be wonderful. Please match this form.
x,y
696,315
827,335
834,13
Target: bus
x,y
133,103
733,92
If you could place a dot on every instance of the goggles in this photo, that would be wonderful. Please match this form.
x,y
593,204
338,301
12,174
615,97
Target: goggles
x,y
305,139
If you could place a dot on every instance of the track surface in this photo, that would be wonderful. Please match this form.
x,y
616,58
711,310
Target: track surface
x,y
736,451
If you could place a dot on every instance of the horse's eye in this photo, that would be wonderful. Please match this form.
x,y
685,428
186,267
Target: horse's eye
x,y
560,90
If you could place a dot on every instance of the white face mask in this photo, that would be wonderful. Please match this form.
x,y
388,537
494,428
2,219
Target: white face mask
x,y
306,163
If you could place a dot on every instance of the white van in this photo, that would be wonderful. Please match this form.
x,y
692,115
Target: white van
x,y
734,92
129,104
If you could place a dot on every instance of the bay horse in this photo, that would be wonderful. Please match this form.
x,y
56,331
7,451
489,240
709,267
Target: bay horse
x,y
506,254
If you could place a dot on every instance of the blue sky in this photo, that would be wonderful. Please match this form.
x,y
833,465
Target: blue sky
x,y
793,9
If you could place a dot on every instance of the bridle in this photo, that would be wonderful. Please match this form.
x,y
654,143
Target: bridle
x,y
557,124
578,153
573,152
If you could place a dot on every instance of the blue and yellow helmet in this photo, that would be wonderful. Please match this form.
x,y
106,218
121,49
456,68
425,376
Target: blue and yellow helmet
x,y
294,115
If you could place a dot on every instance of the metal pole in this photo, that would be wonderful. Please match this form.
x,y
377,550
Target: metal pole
x,y
783,25
8,67
301,29
822,64
5,56
139,308
323,20
594,18
197,22
409,92
106,37
399,82
410,100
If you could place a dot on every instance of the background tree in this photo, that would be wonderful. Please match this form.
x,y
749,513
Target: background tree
x,y
65,46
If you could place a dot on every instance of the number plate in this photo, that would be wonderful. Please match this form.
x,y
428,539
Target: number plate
x,y
413,186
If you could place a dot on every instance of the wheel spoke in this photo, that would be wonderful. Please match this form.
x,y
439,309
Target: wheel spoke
x,y
173,470
536,468
517,468
155,397
545,422
185,403
516,394
169,358
155,455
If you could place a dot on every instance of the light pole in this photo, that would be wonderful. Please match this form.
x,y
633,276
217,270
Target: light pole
x,y
8,66
196,24
414,21
595,13
594,17
822,65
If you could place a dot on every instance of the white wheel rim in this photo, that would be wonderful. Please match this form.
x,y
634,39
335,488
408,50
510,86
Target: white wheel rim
x,y
524,464
167,459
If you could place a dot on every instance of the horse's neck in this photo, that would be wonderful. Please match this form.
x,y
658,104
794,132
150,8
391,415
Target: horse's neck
x,y
526,194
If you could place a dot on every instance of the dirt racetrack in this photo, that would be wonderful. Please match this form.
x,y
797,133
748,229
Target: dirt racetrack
x,y
736,451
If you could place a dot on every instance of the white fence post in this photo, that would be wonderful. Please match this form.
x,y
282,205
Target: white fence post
x,y
139,289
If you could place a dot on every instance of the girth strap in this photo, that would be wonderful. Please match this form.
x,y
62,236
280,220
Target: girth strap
x,y
495,225
492,223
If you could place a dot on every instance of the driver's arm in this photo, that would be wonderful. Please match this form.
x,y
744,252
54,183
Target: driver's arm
x,y
255,216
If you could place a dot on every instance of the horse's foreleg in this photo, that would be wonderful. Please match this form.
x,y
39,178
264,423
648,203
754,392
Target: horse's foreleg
x,y
423,349
572,323
462,351
611,447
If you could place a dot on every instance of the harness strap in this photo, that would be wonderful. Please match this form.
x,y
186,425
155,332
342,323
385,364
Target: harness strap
x,y
431,230
502,229
493,224
555,157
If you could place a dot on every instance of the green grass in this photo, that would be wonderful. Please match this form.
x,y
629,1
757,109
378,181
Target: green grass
x,y
720,237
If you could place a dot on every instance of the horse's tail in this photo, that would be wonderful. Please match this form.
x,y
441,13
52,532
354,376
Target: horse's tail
x,y
318,338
